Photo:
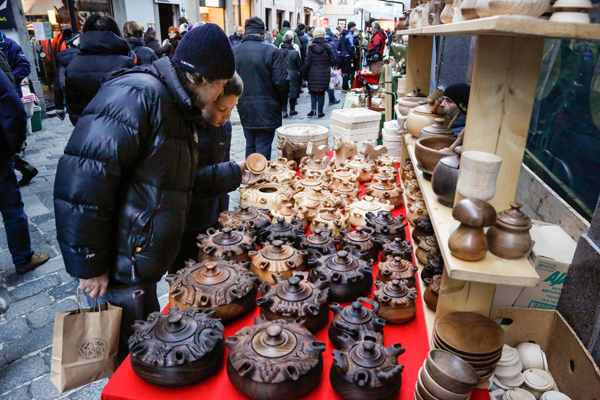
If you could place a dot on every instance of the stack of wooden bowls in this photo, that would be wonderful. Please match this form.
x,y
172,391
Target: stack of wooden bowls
x,y
445,376
476,339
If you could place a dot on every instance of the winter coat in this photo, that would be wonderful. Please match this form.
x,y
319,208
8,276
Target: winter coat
x,y
333,45
279,39
317,69
124,184
143,55
19,65
102,52
346,44
13,120
4,66
265,83
169,48
303,44
378,41
63,59
215,177
235,40
293,66
153,44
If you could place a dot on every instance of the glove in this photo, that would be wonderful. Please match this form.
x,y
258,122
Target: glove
x,y
248,178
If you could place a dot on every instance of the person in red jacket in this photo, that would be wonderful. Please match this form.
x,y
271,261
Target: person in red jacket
x,y
379,38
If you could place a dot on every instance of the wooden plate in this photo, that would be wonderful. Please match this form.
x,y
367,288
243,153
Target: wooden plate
x,y
256,163
467,357
470,333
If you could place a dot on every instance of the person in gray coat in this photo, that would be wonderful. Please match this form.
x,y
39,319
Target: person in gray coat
x,y
292,61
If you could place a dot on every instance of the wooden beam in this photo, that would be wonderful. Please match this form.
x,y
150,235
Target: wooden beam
x,y
418,67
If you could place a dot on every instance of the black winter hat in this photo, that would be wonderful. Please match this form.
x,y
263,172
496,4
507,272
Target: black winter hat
x,y
255,25
301,26
373,57
206,50
286,24
459,93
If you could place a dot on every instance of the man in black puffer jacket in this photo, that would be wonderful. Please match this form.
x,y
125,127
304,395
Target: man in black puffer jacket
x,y
265,88
124,185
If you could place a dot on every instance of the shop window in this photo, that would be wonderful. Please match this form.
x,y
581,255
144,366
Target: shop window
x,y
342,23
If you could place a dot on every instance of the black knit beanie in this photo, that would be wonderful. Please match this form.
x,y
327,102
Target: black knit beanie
x,y
206,50
286,24
459,93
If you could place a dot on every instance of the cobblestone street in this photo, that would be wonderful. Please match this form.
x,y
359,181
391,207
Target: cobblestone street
x,y
26,329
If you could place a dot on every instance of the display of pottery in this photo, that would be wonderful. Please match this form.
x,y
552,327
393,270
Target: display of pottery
x,y
426,245
478,174
415,210
348,189
274,360
365,169
434,266
332,219
314,151
439,128
229,244
408,166
304,133
509,237
385,225
422,227
226,287
359,209
397,268
411,186
319,241
278,174
343,176
365,369
266,195
291,150
281,230
360,243
295,300
447,13
386,172
289,213
284,162
385,189
353,319
446,375
396,248
468,9
177,349
314,200
575,11
385,161
468,242
252,218
429,151
309,183
348,277
277,258
432,292
531,8
445,179
425,115
396,301
310,166
344,150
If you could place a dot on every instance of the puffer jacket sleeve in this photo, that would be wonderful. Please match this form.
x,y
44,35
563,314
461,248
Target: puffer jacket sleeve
x,y
12,117
21,68
279,73
106,141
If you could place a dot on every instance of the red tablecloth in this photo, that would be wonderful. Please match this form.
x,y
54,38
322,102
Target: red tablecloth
x,y
125,385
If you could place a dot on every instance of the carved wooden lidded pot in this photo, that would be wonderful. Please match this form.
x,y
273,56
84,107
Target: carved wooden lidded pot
x,y
433,266
468,241
385,188
317,166
177,349
288,212
399,269
230,244
386,226
353,319
274,360
397,248
365,369
396,301
252,218
365,169
281,230
277,258
331,218
361,243
320,241
227,287
295,299
509,237
348,277
422,227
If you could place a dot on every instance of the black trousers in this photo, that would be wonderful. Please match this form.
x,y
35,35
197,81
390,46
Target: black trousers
x,y
347,73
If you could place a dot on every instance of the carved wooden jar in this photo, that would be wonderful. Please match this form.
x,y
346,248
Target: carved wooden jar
x,y
365,369
432,293
314,200
177,349
227,287
281,230
364,169
422,227
278,174
418,209
385,189
289,213
284,162
359,209
274,360
361,243
253,218
427,245
317,166
396,301
509,237
309,183
344,175
397,268
348,277
385,161
295,300
408,167
433,266
229,244
277,258
332,219
347,189
385,225
396,248
320,241
266,195
353,319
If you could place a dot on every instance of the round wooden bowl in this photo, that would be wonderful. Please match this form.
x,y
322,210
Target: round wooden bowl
x,y
470,333
468,358
428,154
256,163
438,390
451,371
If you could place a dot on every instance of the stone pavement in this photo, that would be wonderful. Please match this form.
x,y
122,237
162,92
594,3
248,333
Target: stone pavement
x,y
26,329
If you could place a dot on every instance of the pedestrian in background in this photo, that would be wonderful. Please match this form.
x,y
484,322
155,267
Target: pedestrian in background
x,y
103,51
183,25
378,39
333,44
133,33
317,71
293,65
65,52
19,65
150,40
303,40
265,88
170,45
347,55
279,37
236,38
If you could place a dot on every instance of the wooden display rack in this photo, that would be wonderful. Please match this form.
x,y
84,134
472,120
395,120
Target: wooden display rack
x,y
504,82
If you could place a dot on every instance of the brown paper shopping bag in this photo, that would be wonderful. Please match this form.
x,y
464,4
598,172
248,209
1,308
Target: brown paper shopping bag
x,y
84,347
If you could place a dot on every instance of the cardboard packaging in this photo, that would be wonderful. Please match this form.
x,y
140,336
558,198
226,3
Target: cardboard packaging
x,y
571,365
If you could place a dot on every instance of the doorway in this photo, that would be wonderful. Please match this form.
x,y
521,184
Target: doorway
x,y
166,17
267,18
280,18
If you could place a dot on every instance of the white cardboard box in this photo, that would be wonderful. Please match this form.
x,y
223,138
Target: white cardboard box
x,y
355,115
352,126
355,135
552,255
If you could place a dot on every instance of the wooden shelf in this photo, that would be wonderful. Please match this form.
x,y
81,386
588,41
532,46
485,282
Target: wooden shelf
x,y
512,26
491,269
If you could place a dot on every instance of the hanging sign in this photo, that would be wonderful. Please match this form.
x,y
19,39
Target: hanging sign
x,y
183,9
7,19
